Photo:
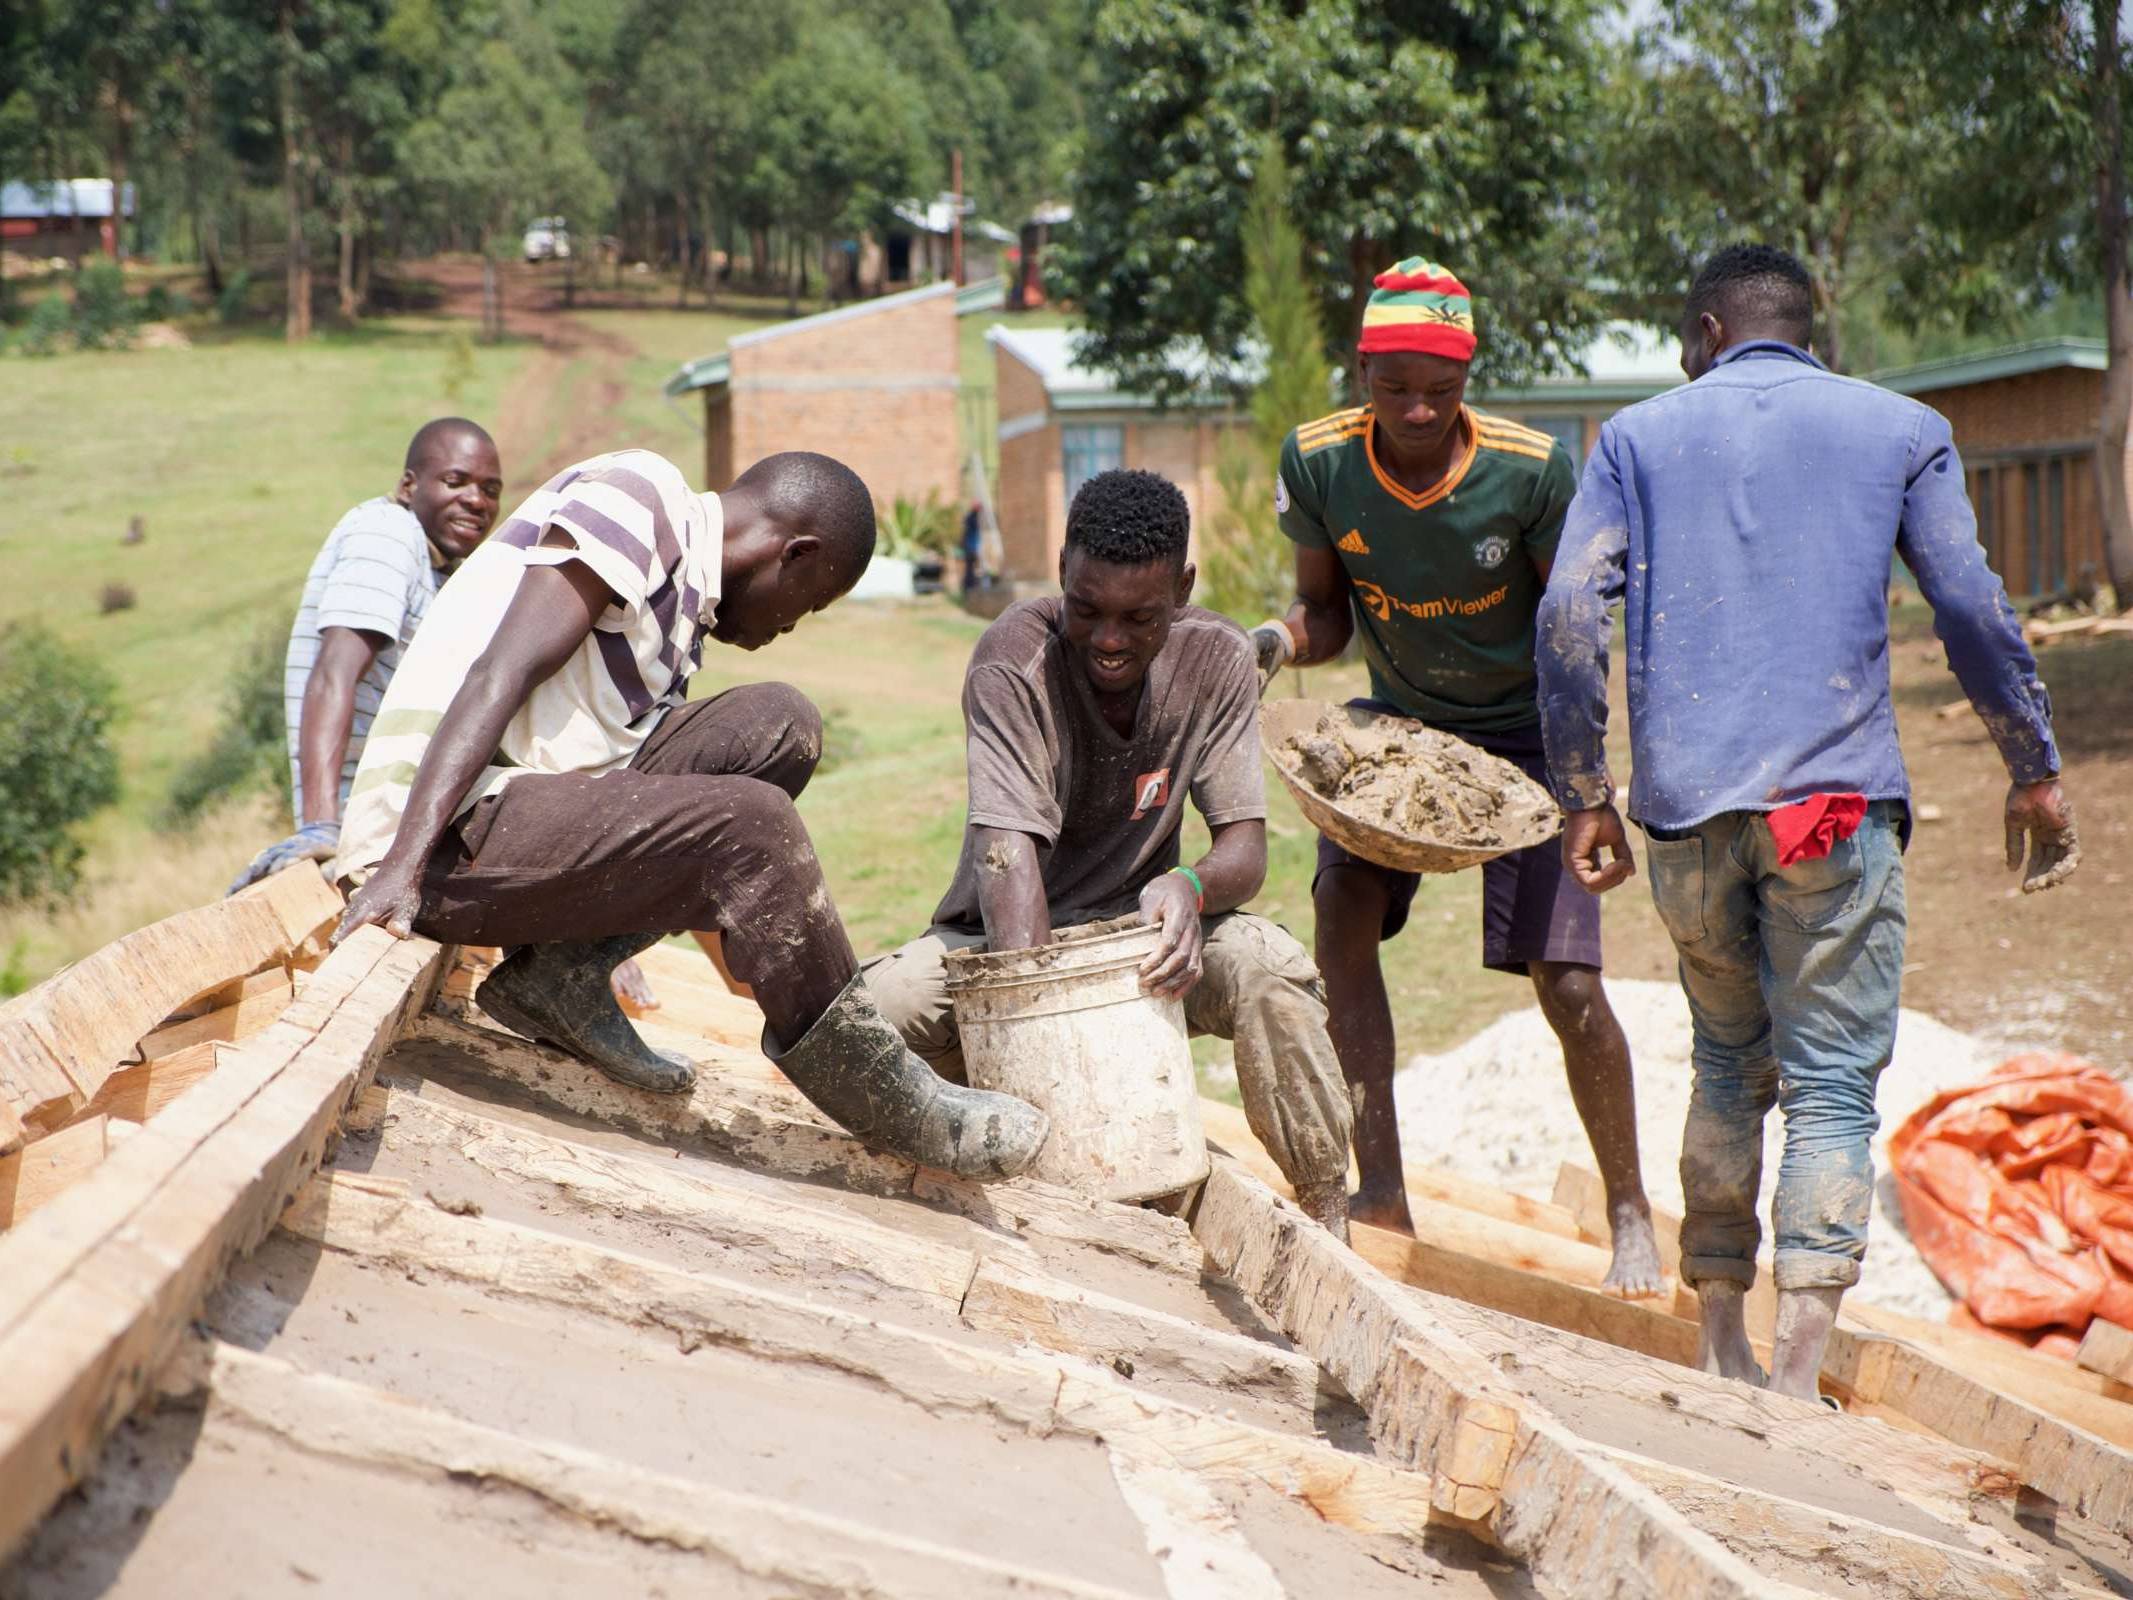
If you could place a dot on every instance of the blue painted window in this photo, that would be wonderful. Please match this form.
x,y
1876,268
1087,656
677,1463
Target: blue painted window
x,y
1086,450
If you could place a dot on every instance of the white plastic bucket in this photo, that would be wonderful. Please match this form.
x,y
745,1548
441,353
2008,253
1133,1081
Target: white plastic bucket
x,y
1068,1028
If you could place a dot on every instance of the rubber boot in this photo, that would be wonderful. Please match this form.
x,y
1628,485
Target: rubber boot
x,y
1327,1205
560,994
854,1065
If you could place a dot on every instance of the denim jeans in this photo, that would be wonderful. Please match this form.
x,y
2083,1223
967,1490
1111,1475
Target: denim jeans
x,y
1792,976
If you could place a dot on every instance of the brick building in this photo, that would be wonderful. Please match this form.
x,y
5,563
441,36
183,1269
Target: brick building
x,y
1061,423
874,384
2025,420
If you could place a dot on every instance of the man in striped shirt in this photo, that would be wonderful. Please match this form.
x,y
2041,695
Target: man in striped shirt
x,y
365,596
538,777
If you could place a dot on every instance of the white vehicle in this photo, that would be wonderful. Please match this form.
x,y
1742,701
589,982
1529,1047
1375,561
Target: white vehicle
x,y
547,239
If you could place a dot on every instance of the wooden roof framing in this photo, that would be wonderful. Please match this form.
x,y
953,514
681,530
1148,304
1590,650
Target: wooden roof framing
x,y
408,1260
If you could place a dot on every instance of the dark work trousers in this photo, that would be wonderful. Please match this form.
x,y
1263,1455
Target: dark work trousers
x,y
698,833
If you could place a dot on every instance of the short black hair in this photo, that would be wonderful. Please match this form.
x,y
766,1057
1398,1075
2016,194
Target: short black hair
x,y
431,434
805,492
1129,518
1757,286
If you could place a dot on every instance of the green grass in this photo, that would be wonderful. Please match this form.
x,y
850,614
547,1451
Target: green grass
x,y
239,455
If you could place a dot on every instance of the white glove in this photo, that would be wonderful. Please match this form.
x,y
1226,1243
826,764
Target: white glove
x,y
1275,647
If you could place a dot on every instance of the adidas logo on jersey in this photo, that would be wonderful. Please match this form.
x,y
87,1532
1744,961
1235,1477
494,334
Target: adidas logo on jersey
x,y
1352,542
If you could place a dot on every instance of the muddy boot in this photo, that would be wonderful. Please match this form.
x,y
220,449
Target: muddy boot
x,y
1327,1205
854,1065
560,994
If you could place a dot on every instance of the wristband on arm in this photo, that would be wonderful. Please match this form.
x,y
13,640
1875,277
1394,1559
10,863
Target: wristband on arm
x,y
1199,890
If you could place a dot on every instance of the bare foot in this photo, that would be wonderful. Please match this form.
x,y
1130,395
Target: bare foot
x,y
1635,1273
1722,1346
1382,1210
1804,1320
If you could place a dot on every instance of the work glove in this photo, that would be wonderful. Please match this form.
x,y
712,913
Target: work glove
x,y
1275,647
314,841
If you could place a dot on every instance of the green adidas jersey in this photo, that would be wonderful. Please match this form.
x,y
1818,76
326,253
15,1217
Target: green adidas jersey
x,y
1445,583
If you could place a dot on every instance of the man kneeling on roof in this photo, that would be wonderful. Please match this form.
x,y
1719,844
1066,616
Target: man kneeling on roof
x,y
1091,717
537,777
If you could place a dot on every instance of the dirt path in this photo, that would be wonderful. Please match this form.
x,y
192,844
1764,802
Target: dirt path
x,y
552,416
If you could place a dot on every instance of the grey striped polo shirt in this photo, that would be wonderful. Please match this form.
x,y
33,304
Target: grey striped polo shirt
x,y
376,574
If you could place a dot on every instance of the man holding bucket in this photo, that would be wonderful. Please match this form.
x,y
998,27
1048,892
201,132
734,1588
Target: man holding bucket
x,y
1428,528
1091,718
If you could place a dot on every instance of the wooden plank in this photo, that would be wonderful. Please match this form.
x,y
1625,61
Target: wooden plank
x,y
2054,1388
44,1169
138,1092
1029,1306
1714,1416
60,1040
2088,1476
749,1112
1045,1394
1424,1264
1429,1187
738,1211
739,1536
1008,1294
265,994
1499,1460
1192,1536
2107,1349
1781,1535
96,1289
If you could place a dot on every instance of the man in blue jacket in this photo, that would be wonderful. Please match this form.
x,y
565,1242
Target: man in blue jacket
x,y
1747,521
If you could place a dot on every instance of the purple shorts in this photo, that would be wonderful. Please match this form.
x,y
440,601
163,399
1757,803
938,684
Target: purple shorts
x,y
1531,908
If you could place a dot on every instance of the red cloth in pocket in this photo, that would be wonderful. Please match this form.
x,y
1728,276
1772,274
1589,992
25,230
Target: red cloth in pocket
x,y
1810,829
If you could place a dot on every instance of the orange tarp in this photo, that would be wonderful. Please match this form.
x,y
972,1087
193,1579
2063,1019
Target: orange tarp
x,y
2018,1191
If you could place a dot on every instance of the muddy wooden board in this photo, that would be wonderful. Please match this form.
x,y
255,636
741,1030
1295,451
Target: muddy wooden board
x,y
564,1338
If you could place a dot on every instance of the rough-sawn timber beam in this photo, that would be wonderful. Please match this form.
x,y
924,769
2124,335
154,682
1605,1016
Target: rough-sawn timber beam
x,y
1583,1525
802,1552
1784,1534
1043,1394
742,1108
998,1286
96,1289
60,1040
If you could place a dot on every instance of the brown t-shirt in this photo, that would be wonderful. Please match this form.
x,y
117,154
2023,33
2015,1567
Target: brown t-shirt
x,y
1105,810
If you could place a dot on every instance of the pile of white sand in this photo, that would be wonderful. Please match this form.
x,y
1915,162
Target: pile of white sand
x,y
1497,1109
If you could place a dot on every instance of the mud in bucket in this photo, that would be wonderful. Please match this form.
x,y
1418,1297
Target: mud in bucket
x,y
1068,1028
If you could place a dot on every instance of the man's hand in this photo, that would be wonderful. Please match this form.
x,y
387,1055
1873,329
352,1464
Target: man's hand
x,y
2040,816
391,897
1169,903
1585,835
314,841
1275,647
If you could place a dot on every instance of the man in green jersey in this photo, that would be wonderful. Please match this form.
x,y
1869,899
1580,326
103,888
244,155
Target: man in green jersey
x,y
1428,528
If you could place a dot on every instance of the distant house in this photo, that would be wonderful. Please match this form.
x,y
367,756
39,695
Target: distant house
x,y
874,383
1062,422
68,217
919,246
2025,419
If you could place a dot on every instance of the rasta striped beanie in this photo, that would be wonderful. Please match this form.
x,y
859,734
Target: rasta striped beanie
x,y
1419,305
